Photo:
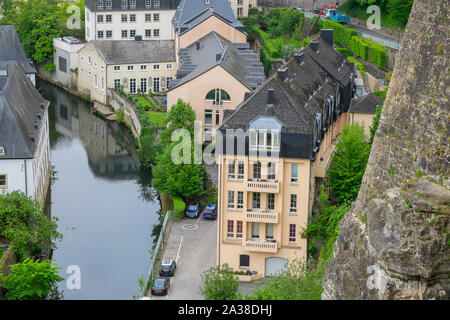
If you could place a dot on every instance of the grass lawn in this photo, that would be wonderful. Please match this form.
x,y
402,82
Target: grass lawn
x,y
158,118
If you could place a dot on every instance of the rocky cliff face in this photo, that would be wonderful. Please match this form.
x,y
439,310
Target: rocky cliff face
x,y
394,243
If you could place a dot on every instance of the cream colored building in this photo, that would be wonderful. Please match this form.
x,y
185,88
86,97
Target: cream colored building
x,y
267,184
136,66
241,7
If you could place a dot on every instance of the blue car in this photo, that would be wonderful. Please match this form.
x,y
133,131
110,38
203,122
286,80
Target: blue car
x,y
193,211
210,211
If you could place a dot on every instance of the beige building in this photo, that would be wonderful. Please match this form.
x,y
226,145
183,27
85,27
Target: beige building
x,y
241,8
267,183
363,110
136,66
214,76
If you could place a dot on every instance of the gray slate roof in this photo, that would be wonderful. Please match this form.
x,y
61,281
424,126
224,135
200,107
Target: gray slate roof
x,y
301,95
11,48
92,5
20,102
301,91
367,104
190,13
243,64
133,52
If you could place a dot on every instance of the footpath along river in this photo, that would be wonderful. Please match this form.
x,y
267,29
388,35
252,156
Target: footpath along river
x,y
107,209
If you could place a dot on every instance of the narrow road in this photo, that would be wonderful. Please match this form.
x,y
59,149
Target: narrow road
x,y
192,243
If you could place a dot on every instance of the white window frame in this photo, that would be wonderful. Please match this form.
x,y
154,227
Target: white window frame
x,y
230,200
293,204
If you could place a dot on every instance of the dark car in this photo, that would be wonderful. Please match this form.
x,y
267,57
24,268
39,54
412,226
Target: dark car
x,y
193,210
210,211
167,268
160,286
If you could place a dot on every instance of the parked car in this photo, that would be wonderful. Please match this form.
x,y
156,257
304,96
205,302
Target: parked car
x,y
300,9
210,211
167,268
160,286
193,210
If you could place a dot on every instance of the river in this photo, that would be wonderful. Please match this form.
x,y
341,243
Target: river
x,y
105,206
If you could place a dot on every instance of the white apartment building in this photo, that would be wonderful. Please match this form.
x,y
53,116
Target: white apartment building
x,y
24,135
127,19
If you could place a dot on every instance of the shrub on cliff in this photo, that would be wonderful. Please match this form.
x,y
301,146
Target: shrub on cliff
x,y
349,163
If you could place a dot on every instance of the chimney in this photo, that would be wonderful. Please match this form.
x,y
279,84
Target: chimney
x,y
282,73
197,44
271,97
218,56
211,9
314,45
299,57
327,35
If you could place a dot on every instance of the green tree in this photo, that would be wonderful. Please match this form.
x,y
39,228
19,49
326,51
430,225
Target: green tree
x,y
45,30
181,116
185,180
349,163
31,280
220,283
23,222
148,150
400,9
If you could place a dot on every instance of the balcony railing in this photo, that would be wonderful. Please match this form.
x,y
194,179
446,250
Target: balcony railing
x,y
259,245
262,185
262,216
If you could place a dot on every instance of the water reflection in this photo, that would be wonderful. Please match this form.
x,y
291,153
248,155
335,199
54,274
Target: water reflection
x,y
108,210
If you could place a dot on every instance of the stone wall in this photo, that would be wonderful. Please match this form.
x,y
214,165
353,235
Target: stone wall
x,y
131,118
394,242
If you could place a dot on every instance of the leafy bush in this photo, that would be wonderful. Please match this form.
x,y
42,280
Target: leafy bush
x,y
23,222
178,206
31,280
220,283
349,163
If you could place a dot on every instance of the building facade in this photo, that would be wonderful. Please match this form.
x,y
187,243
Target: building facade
x,y
268,174
126,19
241,8
24,135
214,76
66,59
135,66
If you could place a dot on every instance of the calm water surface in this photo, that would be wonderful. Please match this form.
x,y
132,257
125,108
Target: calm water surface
x,y
106,208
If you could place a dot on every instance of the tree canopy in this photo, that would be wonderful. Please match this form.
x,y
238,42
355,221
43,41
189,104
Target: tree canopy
x,y
23,222
220,283
31,280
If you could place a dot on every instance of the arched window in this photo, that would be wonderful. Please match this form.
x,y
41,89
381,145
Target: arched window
x,y
218,96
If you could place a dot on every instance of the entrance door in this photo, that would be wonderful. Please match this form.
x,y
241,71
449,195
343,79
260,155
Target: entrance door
x,y
274,265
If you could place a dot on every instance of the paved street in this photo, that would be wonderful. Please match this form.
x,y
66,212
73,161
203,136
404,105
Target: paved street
x,y
192,242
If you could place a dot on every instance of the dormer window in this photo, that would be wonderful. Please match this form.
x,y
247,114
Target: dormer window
x,y
2,151
100,3
265,140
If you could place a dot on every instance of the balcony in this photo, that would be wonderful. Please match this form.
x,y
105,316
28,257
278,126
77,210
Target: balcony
x,y
262,185
259,245
262,216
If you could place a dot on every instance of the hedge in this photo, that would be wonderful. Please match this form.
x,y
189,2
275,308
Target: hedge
x,y
178,206
364,48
